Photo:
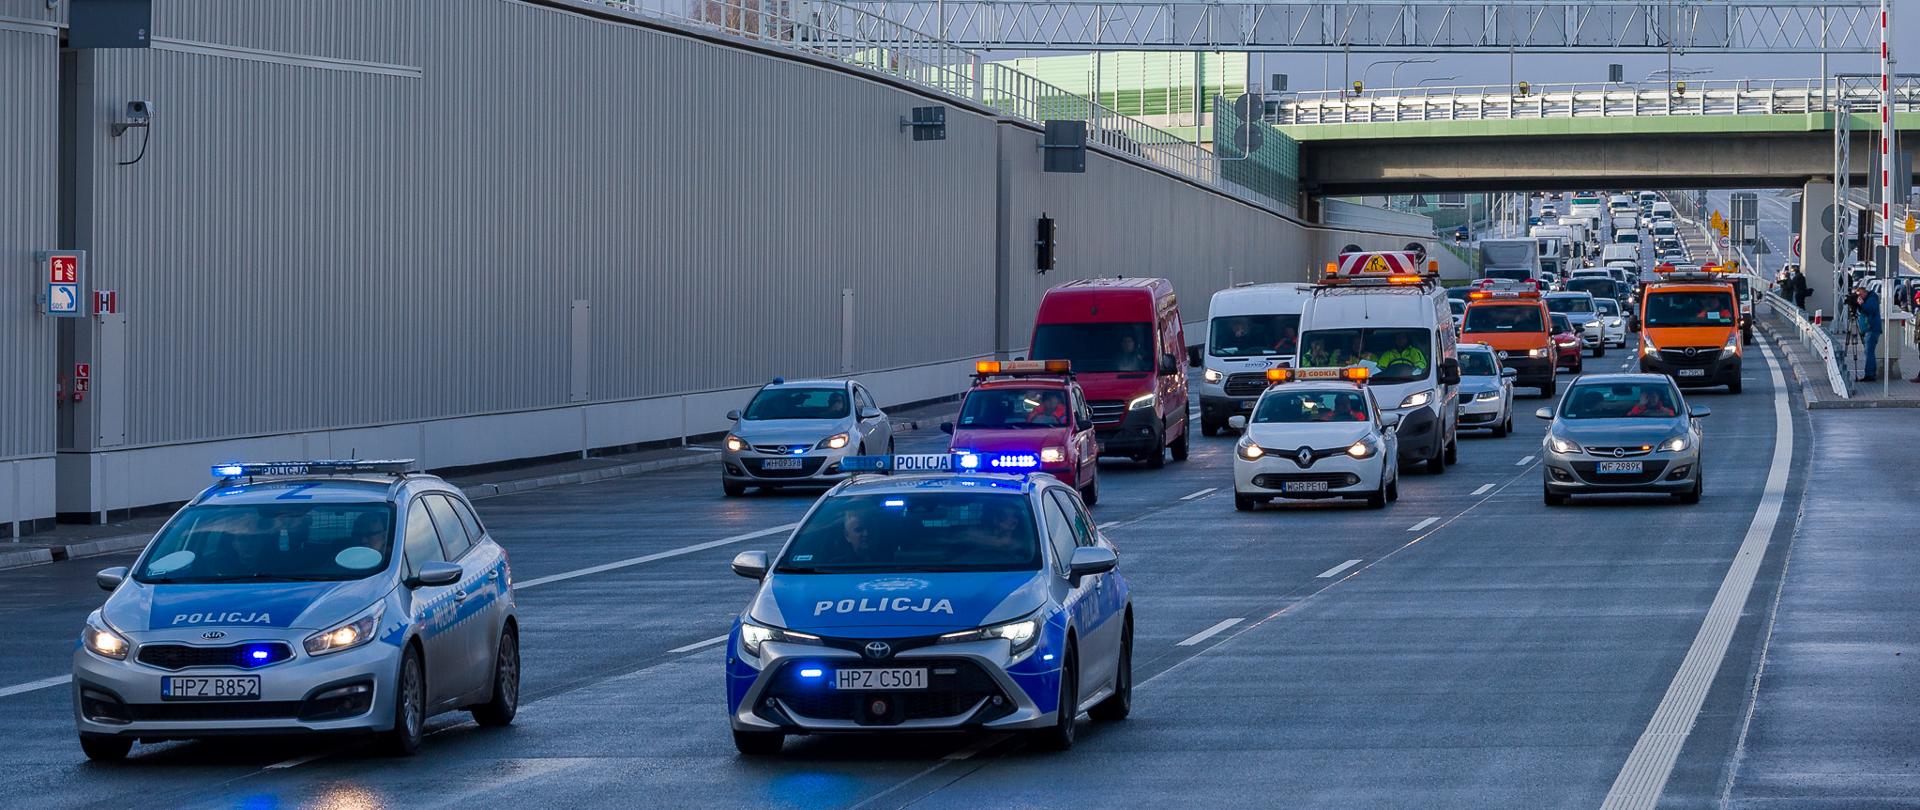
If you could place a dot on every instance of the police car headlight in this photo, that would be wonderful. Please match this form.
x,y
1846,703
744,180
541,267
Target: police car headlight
x,y
1022,634
1674,445
1213,376
834,442
1416,399
1560,445
736,444
1250,451
1360,449
1140,402
348,634
1052,455
753,635
102,641
1487,396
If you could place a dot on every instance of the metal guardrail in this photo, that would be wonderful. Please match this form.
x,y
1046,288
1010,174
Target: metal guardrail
x,y
876,43
1815,339
1506,102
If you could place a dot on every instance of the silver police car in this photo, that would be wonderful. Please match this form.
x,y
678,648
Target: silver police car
x,y
289,597
795,433
1618,433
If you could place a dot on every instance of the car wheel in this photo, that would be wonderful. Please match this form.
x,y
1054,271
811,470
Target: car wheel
x,y
889,445
105,747
500,710
1119,704
1091,495
1059,736
1699,487
1551,498
1180,445
1378,500
1500,428
1393,488
1437,463
1244,503
1734,387
409,706
1579,364
1600,350
1209,427
1157,457
1453,450
759,743
733,490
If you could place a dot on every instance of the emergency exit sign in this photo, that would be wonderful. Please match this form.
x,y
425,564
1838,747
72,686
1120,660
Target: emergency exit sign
x,y
60,274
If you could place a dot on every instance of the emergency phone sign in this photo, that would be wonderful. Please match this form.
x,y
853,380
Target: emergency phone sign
x,y
61,274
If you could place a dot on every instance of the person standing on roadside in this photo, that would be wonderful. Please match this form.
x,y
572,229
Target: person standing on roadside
x,y
1867,318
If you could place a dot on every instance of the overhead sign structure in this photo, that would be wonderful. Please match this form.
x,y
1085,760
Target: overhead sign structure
x,y
61,275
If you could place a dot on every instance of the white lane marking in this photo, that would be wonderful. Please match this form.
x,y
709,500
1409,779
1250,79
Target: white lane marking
x,y
1210,632
1201,494
1523,462
1110,524
697,645
1644,775
1423,524
299,761
1483,489
1335,571
661,555
30,686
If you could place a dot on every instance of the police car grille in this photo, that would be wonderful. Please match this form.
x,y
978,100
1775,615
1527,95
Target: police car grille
x,y
1107,411
1275,480
214,710
184,656
953,687
808,466
1245,384
1649,472
1701,357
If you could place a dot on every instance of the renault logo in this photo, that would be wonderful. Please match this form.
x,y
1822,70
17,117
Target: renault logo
x,y
1304,456
210,635
878,649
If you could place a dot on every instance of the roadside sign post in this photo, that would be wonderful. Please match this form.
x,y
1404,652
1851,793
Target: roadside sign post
x,y
61,275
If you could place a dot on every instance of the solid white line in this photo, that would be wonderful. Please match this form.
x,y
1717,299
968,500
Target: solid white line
x,y
661,555
1650,764
1201,494
1523,462
299,761
1210,632
1423,524
1334,571
698,644
1110,524
1483,489
30,686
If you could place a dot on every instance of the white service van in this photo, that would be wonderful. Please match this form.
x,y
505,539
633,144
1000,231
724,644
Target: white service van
x,y
1250,328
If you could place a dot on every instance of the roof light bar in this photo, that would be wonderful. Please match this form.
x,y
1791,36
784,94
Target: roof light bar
x,y
266,469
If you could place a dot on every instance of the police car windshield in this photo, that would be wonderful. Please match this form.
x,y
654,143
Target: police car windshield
x,y
1478,364
1681,308
798,403
1292,407
278,543
1569,303
1096,346
1254,335
1649,400
915,532
1397,355
1016,408
1503,318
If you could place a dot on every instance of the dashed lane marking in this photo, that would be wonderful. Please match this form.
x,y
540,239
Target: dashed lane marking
x,y
1335,571
1210,632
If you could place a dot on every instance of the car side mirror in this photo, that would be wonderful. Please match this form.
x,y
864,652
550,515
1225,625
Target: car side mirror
x,y
1450,371
733,415
1193,357
946,427
1509,373
1390,421
1697,411
110,578
1169,365
435,574
1544,413
1237,422
751,564
1091,560
870,413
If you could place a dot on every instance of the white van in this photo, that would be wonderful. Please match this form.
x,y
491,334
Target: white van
x,y
1365,320
1619,252
1250,328
1662,210
1630,236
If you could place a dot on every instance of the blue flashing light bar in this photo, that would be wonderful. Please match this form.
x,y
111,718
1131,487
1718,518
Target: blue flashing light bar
x,y
264,469
957,461
1015,461
811,672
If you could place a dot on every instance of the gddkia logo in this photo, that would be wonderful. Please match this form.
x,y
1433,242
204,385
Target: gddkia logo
x,y
895,584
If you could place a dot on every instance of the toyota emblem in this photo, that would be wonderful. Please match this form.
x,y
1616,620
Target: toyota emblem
x,y
214,634
878,649
1619,452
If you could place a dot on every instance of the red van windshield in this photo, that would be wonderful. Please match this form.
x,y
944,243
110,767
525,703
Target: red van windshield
x,y
1096,346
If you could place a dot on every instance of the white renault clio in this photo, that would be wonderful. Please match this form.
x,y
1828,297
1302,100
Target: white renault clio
x,y
1317,433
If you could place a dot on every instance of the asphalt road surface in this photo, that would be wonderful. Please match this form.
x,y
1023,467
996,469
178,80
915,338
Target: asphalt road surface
x,y
1467,647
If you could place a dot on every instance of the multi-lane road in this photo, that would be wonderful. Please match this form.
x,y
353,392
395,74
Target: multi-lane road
x,y
1466,647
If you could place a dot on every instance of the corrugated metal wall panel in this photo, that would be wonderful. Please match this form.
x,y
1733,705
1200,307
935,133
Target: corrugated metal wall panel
x,y
29,171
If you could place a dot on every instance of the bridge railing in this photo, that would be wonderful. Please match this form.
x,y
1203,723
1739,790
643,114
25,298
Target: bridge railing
x,y
1505,102
876,43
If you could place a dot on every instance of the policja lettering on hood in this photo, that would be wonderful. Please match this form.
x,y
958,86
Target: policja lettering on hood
x,y
898,604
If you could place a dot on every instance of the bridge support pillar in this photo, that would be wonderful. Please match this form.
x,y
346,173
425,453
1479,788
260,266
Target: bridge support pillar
x,y
1819,246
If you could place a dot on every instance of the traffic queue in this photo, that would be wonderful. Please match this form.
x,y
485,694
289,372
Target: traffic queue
x,y
966,589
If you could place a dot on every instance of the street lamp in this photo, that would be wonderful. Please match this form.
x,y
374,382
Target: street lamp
x,y
1394,76
1423,82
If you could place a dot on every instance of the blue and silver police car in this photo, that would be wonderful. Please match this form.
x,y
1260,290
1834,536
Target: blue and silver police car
x,y
933,601
324,596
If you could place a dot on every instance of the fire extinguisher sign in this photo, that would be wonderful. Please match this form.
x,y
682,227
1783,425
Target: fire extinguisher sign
x,y
61,275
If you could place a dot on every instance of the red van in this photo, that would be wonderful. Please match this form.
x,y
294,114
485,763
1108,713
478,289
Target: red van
x,y
1124,339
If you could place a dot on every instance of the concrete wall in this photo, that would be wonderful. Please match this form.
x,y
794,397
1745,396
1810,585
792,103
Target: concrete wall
x,y
29,187
490,230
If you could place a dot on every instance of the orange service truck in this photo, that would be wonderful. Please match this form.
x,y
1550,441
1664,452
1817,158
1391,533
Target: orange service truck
x,y
1690,327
